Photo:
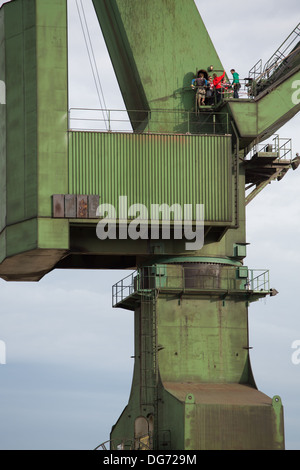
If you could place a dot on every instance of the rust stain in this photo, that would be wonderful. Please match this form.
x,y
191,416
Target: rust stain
x,y
82,207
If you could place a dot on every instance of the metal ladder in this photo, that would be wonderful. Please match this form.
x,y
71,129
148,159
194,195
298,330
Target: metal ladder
x,y
148,353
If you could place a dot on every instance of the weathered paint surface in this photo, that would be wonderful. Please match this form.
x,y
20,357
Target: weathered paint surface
x,y
33,48
184,341
262,117
154,54
192,370
219,417
2,137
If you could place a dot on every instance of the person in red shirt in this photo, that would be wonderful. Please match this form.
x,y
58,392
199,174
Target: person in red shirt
x,y
217,84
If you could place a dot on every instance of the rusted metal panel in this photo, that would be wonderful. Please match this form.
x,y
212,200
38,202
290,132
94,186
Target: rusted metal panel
x,y
82,207
73,206
70,205
58,205
93,202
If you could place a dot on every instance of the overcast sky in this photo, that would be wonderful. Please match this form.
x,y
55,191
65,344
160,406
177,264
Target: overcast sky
x,y
68,368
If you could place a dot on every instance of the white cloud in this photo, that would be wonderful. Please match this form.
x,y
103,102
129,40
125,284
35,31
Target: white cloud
x,y
45,322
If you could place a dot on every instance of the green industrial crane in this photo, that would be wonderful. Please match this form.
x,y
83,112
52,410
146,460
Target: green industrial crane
x,y
193,387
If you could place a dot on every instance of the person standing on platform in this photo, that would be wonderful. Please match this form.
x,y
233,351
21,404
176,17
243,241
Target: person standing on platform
x,y
235,83
200,84
217,84
210,91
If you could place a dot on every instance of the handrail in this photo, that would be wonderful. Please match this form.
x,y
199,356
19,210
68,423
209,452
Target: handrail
x,y
256,281
257,74
280,146
283,48
124,288
253,71
123,120
260,282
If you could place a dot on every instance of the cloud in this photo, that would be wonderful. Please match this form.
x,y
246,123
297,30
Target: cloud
x,y
58,407
68,324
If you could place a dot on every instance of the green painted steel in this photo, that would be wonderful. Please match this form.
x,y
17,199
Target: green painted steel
x,y
189,339
218,334
256,412
21,111
262,117
155,70
200,259
192,382
52,95
151,169
34,165
192,363
2,138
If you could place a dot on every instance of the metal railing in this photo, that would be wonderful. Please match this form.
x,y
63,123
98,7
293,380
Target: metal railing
x,y
279,146
203,120
279,63
245,91
283,50
137,283
127,444
146,121
125,288
258,280
255,71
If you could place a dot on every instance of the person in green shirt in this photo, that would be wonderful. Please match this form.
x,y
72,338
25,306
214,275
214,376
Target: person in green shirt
x,y
235,83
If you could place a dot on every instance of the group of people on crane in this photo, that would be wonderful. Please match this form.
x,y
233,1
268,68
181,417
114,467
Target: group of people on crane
x,y
210,89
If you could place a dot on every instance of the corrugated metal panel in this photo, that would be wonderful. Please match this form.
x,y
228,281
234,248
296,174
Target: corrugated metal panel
x,y
250,418
154,169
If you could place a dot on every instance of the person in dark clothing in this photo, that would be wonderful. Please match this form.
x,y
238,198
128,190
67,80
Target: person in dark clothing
x,y
210,92
200,84
235,83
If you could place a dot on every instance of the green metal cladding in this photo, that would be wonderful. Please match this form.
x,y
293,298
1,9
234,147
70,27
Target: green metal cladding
x,y
151,169
33,155
2,134
262,117
193,385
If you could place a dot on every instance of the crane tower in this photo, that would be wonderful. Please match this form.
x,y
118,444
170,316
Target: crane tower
x,y
178,185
